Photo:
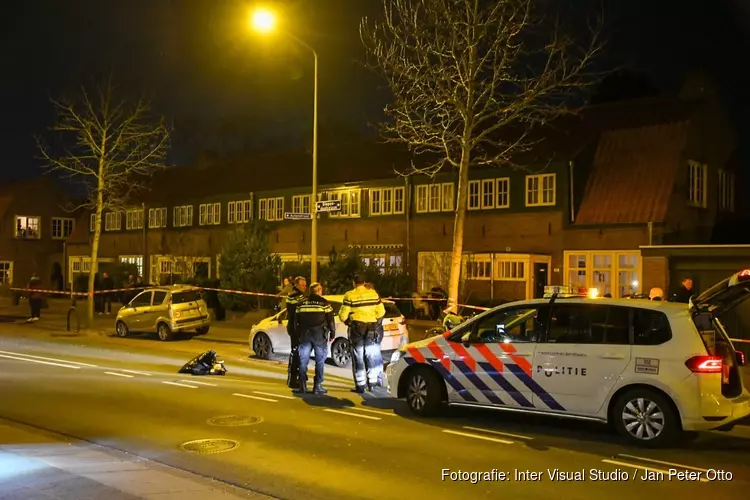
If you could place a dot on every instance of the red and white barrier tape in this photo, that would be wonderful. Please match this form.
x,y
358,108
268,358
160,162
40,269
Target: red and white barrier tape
x,y
78,294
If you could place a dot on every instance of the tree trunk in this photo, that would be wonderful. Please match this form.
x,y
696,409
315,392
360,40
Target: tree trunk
x,y
95,248
458,229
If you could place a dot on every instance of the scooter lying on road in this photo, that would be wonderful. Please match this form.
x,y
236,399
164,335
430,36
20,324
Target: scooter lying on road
x,y
204,364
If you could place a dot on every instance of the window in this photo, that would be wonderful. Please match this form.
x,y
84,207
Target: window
x,y
697,184
92,223
62,227
271,209
577,270
301,204
210,214
540,190
350,202
474,195
488,193
28,227
577,324
434,203
726,191
507,325
447,194
134,260
386,262
182,216
615,273
159,297
510,270
157,217
112,221
386,201
433,269
602,273
142,300
503,193
6,273
478,267
239,211
134,219
650,327
422,191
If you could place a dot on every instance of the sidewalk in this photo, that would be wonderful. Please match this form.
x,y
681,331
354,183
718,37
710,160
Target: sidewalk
x,y
38,465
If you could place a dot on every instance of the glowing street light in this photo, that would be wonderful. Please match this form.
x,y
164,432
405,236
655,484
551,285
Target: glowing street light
x,y
264,21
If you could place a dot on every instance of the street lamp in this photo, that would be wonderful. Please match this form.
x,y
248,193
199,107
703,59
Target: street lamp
x,y
264,21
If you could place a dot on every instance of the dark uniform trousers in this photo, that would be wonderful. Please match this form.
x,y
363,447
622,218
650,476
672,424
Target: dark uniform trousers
x,y
367,360
293,300
313,339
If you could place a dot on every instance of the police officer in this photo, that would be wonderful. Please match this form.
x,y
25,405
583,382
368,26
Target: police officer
x,y
293,300
361,310
315,327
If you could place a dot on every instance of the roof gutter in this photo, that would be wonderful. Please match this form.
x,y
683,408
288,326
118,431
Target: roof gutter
x,y
571,166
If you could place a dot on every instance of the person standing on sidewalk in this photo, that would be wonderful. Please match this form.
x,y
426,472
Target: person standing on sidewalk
x,y
315,327
294,299
107,285
361,310
35,298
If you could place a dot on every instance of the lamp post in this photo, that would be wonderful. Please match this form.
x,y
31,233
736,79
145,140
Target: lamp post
x,y
264,21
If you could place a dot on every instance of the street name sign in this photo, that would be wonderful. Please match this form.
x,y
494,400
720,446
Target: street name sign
x,y
295,216
328,206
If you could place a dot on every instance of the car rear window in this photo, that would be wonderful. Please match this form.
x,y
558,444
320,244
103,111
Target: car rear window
x,y
185,297
391,311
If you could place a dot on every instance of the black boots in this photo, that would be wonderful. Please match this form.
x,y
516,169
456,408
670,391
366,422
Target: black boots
x,y
301,388
318,389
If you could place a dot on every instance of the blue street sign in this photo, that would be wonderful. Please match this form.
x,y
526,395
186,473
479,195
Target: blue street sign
x,y
328,206
294,216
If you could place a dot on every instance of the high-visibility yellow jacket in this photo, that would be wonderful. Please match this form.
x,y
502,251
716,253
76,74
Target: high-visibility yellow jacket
x,y
363,305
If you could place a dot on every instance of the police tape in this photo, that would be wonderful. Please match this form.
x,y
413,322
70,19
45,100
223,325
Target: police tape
x,y
78,294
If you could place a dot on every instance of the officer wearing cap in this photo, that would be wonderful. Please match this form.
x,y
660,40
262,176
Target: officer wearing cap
x,y
315,327
361,310
293,301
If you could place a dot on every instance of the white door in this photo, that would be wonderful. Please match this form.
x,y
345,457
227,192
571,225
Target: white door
x,y
491,358
585,351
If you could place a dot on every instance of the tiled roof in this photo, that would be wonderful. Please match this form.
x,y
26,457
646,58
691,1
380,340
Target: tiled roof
x,y
633,174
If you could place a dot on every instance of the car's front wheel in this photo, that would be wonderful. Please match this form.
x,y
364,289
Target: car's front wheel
x,y
646,418
262,346
341,353
424,391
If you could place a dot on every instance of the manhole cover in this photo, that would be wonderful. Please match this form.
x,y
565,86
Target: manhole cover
x,y
209,446
234,421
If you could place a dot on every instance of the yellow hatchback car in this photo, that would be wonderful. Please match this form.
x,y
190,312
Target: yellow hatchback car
x,y
165,310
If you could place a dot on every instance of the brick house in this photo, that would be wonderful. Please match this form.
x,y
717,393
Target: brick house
x,y
34,226
600,186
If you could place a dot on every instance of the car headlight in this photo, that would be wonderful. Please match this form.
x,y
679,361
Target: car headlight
x,y
396,356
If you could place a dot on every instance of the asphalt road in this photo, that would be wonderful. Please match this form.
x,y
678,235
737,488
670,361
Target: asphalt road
x,y
127,396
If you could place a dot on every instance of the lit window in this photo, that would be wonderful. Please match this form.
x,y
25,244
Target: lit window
x,y
510,270
726,191
134,219
112,221
387,201
697,182
62,227
350,203
157,217
6,273
134,260
478,267
182,216
540,190
28,227
301,204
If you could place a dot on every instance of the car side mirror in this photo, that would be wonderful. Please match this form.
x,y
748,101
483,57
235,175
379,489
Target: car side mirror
x,y
741,360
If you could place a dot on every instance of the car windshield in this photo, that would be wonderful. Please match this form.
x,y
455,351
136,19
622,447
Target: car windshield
x,y
186,296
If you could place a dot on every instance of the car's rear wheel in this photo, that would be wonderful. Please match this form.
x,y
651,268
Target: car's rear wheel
x,y
424,391
121,329
202,330
164,332
262,346
646,418
341,353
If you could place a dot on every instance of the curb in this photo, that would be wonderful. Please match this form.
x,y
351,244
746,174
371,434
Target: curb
x,y
219,341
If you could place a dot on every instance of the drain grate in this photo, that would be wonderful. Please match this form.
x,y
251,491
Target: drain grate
x,y
234,421
209,446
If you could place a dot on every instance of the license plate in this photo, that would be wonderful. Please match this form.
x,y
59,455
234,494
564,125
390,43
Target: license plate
x,y
391,327
191,312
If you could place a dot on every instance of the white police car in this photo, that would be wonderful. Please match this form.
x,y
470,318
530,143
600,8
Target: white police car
x,y
652,369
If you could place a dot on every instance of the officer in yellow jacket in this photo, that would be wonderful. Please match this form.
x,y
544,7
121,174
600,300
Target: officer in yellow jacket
x,y
361,310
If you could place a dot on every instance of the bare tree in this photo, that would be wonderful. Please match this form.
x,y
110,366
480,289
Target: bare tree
x,y
470,79
111,147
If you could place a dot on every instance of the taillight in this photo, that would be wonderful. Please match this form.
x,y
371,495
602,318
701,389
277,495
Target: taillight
x,y
704,364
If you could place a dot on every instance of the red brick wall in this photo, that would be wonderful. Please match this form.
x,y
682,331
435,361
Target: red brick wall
x,y
655,273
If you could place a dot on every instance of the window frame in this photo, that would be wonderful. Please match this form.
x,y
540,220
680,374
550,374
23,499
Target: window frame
x,y
113,221
423,198
504,194
726,190
177,213
535,195
37,218
133,219
298,203
8,270
477,195
157,218
609,308
697,184
92,222
351,203
472,326
499,273
399,201
62,221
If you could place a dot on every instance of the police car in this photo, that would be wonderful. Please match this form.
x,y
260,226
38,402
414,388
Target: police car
x,y
652,369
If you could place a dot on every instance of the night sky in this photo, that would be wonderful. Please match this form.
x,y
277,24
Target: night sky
x,y
225,89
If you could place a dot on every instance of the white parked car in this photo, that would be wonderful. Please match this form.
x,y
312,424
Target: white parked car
x,y
269,337
652,369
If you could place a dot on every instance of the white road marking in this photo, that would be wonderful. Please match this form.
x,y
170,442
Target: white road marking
x,y
376,412
660,462
282,396
350,414
50,359
477,436
507,434
136,372
254,397
180,385
199,383
40,362
119,374
641,467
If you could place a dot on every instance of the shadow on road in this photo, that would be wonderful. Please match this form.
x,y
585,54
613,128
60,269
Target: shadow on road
x,y
325,401
13,318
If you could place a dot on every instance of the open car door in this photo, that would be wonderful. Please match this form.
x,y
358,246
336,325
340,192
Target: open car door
x,y
723,296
